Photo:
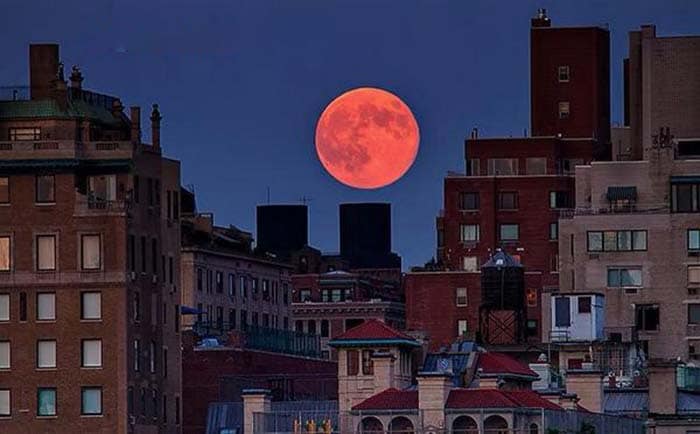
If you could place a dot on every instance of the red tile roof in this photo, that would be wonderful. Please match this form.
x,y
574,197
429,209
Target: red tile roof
x,y
390,399
393,399
373,329
499,363
493,398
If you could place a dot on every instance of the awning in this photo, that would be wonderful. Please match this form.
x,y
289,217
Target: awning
x,y
622,193
186,310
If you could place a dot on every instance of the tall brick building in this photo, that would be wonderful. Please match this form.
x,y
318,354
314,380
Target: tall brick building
x,y
89,262
513,190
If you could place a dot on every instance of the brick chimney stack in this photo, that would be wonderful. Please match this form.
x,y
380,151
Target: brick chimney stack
x,y
43,69
135,124
155,127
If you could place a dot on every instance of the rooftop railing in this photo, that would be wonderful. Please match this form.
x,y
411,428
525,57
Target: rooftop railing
x,y
14,93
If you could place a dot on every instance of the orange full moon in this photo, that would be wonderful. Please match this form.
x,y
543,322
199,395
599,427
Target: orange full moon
x,y
367,138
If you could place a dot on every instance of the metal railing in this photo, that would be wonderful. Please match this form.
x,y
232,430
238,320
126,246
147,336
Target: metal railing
x,y
29,149
14,93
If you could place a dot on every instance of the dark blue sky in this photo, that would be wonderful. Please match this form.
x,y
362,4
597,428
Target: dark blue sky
x,y
242,83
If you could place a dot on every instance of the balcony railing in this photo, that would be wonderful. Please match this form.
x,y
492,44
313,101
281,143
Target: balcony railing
x,y
65,149
584,211
89,206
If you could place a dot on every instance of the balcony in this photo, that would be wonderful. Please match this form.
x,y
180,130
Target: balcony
x,y
65,150
89,206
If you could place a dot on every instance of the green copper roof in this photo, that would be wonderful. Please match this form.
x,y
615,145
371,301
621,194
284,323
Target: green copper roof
x,y
48,108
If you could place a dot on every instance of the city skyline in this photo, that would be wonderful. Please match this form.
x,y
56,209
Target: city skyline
x,y
271,89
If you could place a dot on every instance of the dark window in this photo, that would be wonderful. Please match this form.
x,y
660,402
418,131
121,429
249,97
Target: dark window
x,y
353,362
177,410
176,206
231,285
367,363
255,319
469,201
137,306
559,199
132,252
169,202
45,189
165,409
694,314
562,312
684,197
299,326
170,269
219,282
285,294
154,255
554,231
22,306
584,305
532,327
624,277
265,289
647,317
200,279
219,318
143,254
149,187
244,320
507,200
324,328
137,187
232,319
311,327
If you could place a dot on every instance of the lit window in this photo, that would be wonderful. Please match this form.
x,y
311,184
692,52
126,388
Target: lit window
x,y
461,296
5,356
5,253
90,252
4,307
469,233
91,305
4,189
91,400
46,354
563,74
46,306
693,274
46,252
509,232
46,402
470,263
45,189
536,166
152,357
693,239
564,110
554,231
462,327
92,353
5,407
18,134
624,277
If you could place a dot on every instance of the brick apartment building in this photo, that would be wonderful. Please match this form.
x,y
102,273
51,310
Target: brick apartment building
x,y
89,262
228,285
513,190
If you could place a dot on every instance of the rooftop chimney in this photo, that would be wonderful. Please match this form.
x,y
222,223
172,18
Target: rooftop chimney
x,y
76,78
541,19
135,124
43,69
155,126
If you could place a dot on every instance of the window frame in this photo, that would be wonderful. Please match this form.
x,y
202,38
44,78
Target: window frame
x,y
83,354
52,199
8,237
564,110
462,232
9,355
37,250
619,270
7,300
474,195
554,231
55,401
603,248
8,391
38,296
37,362
501,226
83,305
100,261
697,306
529,163
689,246
7,187
500,202
83,389
640,310
367,362
13,135
567,74
461,300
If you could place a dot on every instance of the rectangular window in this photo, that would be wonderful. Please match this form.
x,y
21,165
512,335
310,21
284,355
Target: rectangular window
x,y
507,200
562,312
509,232
91,258
554,231
367,363
461,296
46,401
470,264
176,322
4,307
503,166
152,357
91,353
469,201
244,320
144,260
5,403
102,188
4,189
231,285
165,363
693,239
90,305
5,253
694,314
564,110
22,306
177,410
137,355
536,166
219,282
136,308
45,189
154,256
624,277
647,317
531,327
46,252
149,188
559,199
617,241
232,319
219,318
19,134
285,294
325,328
693,275
131,245
200,279
462,327
563,74
46,306
5,355
91,400
684,197
584,305
304,295
473,167
171,270
46,354
469,233
353,362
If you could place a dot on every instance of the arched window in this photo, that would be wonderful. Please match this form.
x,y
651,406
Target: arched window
x,y
371,425
401,425
534,429
464,425
495,425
